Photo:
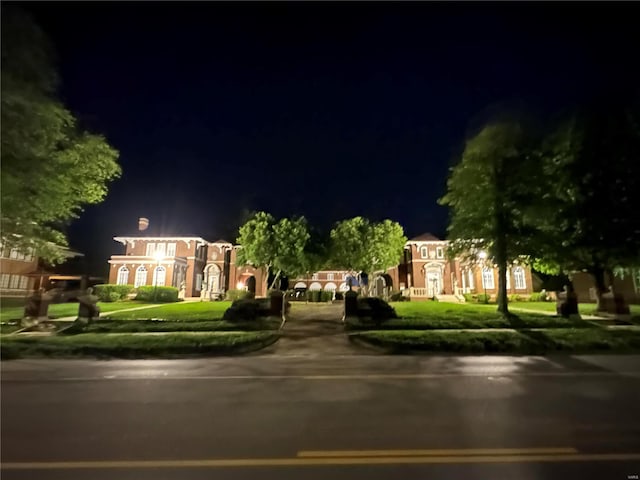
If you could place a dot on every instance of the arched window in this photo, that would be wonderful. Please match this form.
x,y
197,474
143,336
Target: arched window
x,y
330,287
159,275
344,287
123,276
141,276
300,285
315,286
519,278
487,278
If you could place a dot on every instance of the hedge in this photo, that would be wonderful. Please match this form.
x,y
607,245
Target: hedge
x,y
157,294
112,293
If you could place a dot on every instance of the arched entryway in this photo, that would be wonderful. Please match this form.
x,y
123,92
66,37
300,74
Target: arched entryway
x,y
433,279
251,284
212,277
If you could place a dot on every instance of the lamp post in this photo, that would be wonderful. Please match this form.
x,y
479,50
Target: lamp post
x,y
483,256
158,256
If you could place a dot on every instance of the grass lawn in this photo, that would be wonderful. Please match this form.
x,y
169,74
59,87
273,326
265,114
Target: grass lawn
x,y
138,345
13,308
140,326
585,308
181,311
472,314
525,342
491,321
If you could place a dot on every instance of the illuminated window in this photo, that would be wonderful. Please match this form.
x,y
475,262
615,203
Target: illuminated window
x,y
159,275
15,281
519,278
4,280
141,276
314,276
487,278
330,276
24,281
160,250
171,250
123,276
151,249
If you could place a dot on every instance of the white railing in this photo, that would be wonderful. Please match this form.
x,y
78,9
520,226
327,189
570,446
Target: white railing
x,y
418,292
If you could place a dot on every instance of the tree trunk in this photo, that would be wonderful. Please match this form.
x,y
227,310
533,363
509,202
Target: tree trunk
x,y
601,289
275,279
501,257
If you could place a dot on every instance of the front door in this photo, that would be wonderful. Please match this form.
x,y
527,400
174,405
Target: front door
x,y
434,283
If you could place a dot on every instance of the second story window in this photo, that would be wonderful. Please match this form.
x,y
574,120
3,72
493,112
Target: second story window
x,y
171,250
160,249
329,276
314,276
151,249
424,253
439,252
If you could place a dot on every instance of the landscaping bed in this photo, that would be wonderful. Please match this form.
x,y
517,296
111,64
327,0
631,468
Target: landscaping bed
x,y
525,342
521,321
122,345
141,326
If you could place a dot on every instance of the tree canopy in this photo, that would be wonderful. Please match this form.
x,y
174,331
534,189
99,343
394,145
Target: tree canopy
x,y
51,168
487,196
363,246
278,246
590,173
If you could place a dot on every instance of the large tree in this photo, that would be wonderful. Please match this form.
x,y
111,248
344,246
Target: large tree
x,y
277,246
487,197
591,183
363,246
50,166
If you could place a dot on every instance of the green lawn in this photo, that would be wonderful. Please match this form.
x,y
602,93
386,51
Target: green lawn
x,y
182,311
525,342
139,345
585,308
140,326
443,311
13,309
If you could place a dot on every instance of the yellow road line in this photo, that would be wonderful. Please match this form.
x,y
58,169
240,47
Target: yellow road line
x,y
308,462
429,453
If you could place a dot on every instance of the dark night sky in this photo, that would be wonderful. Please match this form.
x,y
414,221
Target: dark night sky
x,y
329,110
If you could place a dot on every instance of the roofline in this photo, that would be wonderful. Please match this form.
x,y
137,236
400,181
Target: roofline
x,y
124,239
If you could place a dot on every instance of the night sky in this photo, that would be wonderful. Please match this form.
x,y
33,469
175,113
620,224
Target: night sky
x,y
328,110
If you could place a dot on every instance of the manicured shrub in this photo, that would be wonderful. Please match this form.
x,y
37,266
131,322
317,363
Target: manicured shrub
x,y
484,298
111,292
234,295
515,298
468,297
397,296
539,297
339,296
326,296
157,294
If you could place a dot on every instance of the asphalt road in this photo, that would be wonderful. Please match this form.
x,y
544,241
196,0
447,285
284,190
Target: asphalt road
x,y
319,417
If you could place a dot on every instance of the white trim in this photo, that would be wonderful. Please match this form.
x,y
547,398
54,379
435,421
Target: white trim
x,y
124,240
485,284
519,278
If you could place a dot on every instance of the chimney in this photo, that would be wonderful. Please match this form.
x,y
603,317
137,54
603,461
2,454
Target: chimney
x,y
143,224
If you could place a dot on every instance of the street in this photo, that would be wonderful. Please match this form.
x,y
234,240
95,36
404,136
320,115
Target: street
x,y
317,417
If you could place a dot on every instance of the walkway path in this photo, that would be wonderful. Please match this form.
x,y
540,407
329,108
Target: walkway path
x,y
315,330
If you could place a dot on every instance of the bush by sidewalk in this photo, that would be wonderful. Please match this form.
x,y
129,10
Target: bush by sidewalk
x,y
524,342
136,345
